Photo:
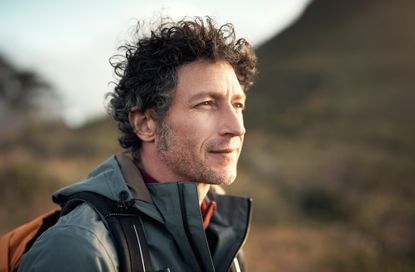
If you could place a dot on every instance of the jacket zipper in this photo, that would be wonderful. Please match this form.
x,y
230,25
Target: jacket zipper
x,y
186,227
245,234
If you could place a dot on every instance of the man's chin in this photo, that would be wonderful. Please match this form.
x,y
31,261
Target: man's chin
x,y
217,175
222,180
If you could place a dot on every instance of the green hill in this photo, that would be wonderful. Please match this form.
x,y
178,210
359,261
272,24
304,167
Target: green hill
x,y
331,135
334,98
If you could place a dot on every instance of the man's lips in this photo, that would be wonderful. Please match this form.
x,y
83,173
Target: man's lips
x,y
224,155
223,151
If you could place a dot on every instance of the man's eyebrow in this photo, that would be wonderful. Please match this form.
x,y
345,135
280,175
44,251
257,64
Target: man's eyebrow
x,y
202,95
241,96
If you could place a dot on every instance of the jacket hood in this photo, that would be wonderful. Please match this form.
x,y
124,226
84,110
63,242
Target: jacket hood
x,y
106,180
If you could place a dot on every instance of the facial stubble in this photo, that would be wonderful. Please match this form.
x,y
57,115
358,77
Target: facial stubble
x,y
178,155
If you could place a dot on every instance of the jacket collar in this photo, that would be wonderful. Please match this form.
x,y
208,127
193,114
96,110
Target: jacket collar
x,y
112,179
133,178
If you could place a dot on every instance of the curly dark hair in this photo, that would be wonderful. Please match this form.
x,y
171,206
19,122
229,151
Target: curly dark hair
x,y
147,69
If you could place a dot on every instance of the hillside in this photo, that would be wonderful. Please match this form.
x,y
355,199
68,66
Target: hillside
x,y
331,129
349,58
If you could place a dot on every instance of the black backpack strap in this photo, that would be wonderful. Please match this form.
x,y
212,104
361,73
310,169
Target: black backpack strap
x,y
125,225
132,241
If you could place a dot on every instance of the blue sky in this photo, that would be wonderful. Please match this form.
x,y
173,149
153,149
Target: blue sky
x,y
69,42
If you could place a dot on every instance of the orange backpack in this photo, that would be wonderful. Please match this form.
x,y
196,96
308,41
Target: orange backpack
x,y
14,244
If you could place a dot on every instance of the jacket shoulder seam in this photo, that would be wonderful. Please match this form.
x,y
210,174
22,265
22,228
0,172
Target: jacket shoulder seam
x,y
99,221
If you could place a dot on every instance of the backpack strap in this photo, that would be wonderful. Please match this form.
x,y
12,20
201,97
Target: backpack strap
x,y
125,225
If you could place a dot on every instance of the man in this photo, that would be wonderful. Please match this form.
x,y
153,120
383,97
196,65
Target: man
x,y
178,104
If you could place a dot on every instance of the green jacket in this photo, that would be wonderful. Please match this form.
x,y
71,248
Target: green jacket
x,y
172,225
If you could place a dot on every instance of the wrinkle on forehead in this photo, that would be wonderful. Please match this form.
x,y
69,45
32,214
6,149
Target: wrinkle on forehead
x,y
213,79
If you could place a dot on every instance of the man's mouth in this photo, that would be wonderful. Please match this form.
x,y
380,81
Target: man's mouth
x,y
223,150
224,155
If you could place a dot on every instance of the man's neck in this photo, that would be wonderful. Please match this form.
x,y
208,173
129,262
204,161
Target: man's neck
x,y
202,190
147,164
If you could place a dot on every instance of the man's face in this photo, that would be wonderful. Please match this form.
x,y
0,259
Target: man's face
x,y
201,137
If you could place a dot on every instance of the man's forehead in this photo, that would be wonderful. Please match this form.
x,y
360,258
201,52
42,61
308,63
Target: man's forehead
x,y
203,78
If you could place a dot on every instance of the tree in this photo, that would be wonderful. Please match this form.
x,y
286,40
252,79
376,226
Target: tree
x,y
23,96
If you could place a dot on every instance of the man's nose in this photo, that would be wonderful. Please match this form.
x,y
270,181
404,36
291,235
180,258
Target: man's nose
x,y
232,122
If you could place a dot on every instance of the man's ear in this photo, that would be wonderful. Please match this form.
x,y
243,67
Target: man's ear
x,y
143,125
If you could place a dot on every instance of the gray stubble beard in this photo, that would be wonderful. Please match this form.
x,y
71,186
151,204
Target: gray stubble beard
x,y
183,163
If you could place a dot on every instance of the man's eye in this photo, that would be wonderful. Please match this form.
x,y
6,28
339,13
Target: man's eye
x,y
205,103
240,106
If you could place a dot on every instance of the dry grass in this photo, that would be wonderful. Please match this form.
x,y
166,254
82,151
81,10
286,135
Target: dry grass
x,y
301,248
